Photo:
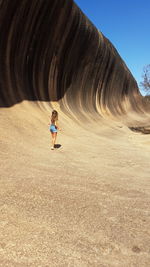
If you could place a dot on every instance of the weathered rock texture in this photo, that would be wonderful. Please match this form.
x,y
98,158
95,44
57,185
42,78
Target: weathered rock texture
x,y
49,51
86,203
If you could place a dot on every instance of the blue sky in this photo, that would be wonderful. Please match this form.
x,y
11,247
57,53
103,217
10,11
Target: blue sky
x,y
127,25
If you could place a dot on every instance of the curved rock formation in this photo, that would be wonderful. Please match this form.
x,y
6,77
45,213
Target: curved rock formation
x,y
86,203
50,51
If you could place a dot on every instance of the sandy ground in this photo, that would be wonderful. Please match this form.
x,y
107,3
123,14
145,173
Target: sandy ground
x,y
87,203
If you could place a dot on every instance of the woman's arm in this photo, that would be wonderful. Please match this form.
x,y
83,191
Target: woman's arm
x,y
49,121
57,126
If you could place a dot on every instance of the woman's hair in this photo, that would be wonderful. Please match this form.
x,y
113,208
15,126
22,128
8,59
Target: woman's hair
x,y
54,116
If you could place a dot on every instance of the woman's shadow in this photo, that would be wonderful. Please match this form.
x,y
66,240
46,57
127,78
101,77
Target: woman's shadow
x,y
57,146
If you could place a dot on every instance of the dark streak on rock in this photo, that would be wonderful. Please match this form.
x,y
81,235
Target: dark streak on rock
x,y
49,49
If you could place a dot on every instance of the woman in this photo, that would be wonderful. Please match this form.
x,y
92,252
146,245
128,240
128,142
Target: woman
x,y
54,127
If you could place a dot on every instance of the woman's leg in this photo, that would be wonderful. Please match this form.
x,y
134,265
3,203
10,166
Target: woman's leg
x,y
54,135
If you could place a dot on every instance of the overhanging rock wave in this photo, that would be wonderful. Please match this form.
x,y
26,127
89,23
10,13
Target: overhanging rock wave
x,y
50,51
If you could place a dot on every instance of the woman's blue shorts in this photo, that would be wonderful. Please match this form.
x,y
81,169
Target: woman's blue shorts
x,y
53,129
